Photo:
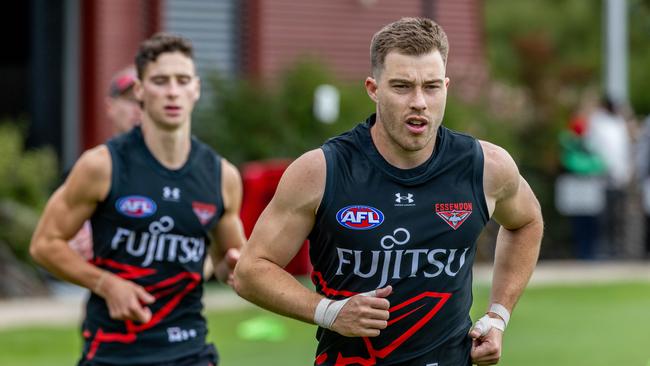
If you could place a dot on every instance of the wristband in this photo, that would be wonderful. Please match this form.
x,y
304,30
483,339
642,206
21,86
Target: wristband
x,y
485,323
319,315
501,311
328,310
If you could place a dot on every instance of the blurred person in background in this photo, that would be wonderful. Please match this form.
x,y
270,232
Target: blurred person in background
x,y
642,163
124,112
159,201
122,107
392,210
582,171
608,137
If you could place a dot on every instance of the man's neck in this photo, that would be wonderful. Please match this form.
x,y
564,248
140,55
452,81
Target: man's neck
x,y
170,147
394,154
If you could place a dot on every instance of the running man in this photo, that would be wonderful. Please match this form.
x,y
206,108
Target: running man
x,y
393,209
158,200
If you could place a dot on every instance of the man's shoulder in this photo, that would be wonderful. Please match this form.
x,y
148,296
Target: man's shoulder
x,y
95,162
91,174
500,170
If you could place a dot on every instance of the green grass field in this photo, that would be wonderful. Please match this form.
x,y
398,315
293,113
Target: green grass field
x,y
592,325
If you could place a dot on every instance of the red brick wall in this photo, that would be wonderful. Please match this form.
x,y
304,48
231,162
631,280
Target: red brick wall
x,y
464,25
111,33
339,32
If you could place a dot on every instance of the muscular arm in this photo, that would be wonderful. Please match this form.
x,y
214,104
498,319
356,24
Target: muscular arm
x,y
72,204
518,212
516,209
65,213
278,235
228,235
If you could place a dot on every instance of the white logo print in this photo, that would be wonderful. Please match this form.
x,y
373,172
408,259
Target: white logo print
x,y
159,244
404,200
176,334
171,194
398,258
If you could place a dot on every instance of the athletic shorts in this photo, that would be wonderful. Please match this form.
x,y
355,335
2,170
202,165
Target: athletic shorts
x,y
455,352
207,357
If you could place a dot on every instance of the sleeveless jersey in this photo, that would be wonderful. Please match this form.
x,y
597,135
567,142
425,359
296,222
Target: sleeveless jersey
x,y
414,229
152,229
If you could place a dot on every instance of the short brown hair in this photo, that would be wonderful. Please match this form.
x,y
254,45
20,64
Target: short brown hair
x,y
158,44
410,36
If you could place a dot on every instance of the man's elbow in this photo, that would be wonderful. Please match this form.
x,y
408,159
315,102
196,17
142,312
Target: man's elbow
x,y
240,278
36,251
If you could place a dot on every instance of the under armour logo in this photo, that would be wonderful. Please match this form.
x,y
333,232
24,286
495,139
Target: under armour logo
x,y
408,198
171,194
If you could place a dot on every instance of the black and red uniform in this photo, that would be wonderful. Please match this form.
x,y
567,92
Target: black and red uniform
x,y
414,229
152,229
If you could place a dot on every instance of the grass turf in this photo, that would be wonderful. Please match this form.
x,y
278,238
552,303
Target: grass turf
x,y
588,325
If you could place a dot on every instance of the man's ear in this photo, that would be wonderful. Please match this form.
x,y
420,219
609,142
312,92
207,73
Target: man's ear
x,y
138,90
198,89
371,88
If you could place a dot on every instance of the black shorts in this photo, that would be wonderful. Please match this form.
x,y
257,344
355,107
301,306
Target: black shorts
x,y
207,357
455,352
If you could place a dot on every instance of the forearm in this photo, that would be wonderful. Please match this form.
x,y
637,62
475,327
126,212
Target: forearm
x,y
285,295
515,259
56,257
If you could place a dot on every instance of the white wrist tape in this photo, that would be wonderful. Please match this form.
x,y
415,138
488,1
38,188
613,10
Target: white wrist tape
x,y
328,310
486,323
501,311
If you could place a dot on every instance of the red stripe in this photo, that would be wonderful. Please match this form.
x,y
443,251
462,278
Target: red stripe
x,y
330,291
164,287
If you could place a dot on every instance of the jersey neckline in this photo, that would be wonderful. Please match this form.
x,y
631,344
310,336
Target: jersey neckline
x,y
156,165
411,176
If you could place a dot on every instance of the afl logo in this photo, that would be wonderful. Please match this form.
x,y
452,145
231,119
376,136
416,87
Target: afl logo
x,y
360,217
136,206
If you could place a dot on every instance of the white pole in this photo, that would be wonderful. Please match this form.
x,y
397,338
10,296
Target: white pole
x,y
616,49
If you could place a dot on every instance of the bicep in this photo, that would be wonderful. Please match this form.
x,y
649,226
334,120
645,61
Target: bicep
x,y
288,219
518,208
75,201
510,199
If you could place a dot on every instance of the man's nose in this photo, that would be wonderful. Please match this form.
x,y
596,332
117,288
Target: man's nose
x,y
418,101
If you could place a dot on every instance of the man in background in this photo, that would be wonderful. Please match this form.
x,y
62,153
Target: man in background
x,y
159,202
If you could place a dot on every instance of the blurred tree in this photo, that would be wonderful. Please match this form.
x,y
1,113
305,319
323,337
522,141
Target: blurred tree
x,y
248,120
26,179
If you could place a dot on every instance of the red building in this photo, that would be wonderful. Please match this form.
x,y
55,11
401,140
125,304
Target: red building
x,y
65,52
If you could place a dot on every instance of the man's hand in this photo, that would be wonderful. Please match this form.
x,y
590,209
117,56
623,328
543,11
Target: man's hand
x,y
364,316
486,350
224,269
125,299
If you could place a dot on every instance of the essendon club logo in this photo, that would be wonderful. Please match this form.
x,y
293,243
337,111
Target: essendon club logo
x,y
204,211
454,214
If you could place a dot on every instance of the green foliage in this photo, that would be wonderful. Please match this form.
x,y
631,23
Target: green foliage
x,y
249,120
529,41
25,176
552,51
639,59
